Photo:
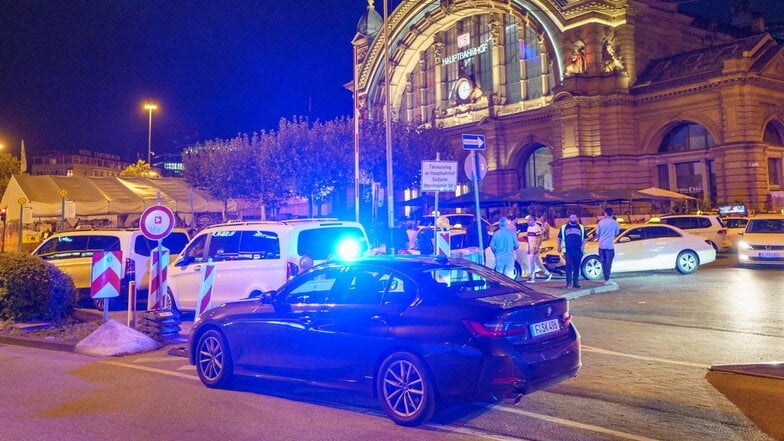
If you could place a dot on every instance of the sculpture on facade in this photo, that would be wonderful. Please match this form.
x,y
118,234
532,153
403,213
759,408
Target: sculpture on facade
x,y
577,63
610,58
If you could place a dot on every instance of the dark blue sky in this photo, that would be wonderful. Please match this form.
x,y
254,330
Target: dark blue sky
x,y
75,74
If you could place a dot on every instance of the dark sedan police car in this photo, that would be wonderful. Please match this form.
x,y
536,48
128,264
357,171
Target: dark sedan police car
x,y
415,331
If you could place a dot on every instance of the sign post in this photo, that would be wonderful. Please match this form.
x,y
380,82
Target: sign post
x,y
475,143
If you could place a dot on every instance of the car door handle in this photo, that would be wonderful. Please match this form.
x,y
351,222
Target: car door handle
x,y
197,268
379,318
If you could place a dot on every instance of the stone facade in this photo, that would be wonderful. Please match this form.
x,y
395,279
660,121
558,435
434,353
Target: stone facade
x,y
595,94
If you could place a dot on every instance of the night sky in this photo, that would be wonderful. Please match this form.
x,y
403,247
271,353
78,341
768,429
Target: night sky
x,y
75,74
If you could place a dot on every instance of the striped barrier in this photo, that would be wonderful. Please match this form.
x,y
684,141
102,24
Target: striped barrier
x,y
205,289
159,266
443,248
105,274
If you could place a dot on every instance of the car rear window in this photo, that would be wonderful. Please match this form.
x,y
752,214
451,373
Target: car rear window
x,y
469,284
321,243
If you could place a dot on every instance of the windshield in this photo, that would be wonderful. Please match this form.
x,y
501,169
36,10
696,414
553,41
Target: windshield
x,y
765,226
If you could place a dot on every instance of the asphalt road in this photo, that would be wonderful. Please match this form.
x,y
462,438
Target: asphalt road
x,y
648,349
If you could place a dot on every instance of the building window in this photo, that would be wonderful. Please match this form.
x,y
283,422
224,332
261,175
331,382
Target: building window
x,y
774,172
688,178
772,135
664,176
537,171
685,137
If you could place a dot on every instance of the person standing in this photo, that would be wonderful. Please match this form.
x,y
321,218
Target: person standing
x,y
606,230
534,234
503,244
572,239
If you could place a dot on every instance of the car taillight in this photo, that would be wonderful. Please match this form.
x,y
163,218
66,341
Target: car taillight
x,y
492,329
567,318
723,232
130,269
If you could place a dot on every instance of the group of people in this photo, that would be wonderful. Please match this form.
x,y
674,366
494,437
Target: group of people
x,y
571,241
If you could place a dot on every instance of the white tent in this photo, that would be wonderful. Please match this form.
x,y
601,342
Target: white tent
x,y
44,197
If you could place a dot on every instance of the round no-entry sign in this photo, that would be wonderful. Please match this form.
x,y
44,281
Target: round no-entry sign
x,y
156,222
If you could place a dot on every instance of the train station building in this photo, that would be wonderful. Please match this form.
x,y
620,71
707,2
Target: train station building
x,y
593,94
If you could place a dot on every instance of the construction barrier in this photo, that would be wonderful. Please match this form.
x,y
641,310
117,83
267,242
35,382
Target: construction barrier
x,y
204,301
159,265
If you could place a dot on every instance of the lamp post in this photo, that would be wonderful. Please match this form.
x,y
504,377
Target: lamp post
x,y
150,108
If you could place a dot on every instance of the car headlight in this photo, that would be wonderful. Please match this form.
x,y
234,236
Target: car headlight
x,y
743,245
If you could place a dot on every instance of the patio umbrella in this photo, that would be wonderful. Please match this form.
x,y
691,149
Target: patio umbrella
x,y
660,194
579,195
467,200
532,195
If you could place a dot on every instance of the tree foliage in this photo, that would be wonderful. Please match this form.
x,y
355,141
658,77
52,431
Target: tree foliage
x,y
9,165
311,160
140,169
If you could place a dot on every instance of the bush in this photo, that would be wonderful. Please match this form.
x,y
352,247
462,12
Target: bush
x,y
31,289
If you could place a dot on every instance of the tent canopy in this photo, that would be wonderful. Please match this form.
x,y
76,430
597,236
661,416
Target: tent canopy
x,y
97,196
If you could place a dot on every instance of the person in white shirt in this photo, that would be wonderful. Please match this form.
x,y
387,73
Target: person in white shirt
x,y
534,243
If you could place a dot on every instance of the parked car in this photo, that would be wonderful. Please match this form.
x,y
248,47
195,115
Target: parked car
x,y
416,331
72,252
646,247
709,226
735,226
762,241
253,257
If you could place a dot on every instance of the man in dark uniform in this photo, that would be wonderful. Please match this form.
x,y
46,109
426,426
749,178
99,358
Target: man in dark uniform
x,y
572,239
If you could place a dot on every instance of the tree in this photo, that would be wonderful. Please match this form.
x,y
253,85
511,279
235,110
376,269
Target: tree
x,y
9,165
140,169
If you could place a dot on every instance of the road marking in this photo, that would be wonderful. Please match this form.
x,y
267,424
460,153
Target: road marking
x,y
573,424
640,357
473,433
150,369
152,359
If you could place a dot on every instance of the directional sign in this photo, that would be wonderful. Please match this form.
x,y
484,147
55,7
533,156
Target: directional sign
x,y
474,142
439,175
156,222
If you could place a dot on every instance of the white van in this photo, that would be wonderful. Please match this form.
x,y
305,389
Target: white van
x,y
254,257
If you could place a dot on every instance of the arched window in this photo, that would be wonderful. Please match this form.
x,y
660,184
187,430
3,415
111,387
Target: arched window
x,y
772,135
686,136
537,171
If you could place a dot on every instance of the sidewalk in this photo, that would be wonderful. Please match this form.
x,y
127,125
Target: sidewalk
x,y
555,288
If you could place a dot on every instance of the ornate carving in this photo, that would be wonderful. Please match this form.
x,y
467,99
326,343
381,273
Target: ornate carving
x,y
577,63
610,58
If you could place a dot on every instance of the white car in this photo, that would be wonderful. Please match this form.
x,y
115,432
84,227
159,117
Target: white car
x,y
644,247
251,258
762,242
708,226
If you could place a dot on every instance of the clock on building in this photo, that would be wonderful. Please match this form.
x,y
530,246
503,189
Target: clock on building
x,y
463,88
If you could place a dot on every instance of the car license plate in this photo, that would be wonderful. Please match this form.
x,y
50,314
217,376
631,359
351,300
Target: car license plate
x,y
546,327
769,255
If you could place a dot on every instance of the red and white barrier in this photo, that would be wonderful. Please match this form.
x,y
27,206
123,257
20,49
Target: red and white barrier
x,y
105,274
443,247
159,266
204,301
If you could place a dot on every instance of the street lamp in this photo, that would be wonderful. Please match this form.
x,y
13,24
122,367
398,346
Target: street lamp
x,y
150,108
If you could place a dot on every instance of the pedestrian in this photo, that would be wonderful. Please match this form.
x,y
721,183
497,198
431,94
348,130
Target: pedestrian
x,y
503,244
606,231
572,240
534,235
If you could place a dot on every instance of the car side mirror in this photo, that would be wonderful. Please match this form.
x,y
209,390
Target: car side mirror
x,y
267,297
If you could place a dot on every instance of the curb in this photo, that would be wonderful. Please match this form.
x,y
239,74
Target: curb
x,y
37,343
772,370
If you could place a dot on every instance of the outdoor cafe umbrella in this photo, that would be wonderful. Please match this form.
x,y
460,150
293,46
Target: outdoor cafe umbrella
x,y
660,194
532,195
579,195
468,200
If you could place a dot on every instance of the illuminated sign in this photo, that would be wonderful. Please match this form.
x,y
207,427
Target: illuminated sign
x,y
463,40
468,53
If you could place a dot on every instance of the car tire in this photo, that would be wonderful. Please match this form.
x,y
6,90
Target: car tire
x,y
213,359
405,389
687,262
169,303
592,268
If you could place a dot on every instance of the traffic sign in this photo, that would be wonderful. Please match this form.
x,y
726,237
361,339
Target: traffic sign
x,y
439,175
474,142
156,222
470,168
